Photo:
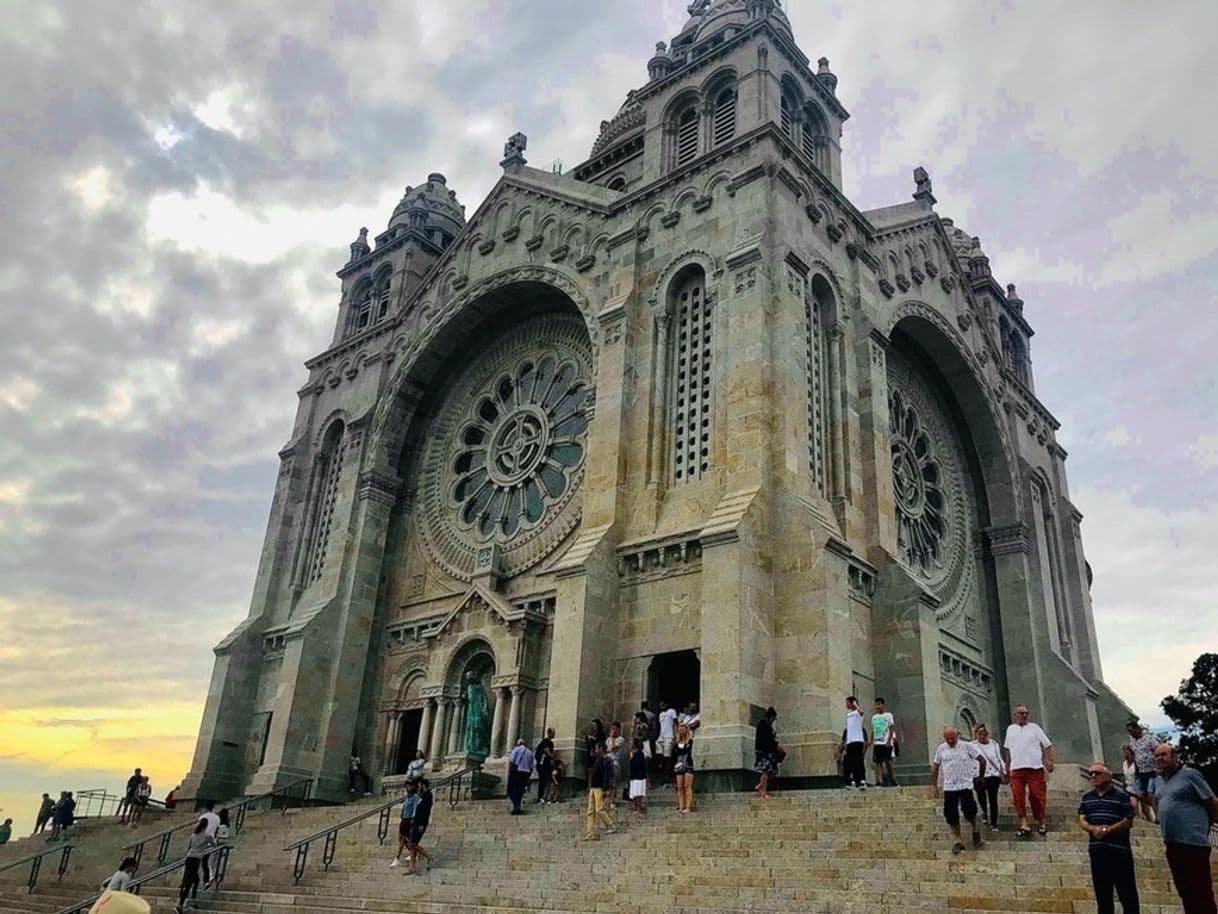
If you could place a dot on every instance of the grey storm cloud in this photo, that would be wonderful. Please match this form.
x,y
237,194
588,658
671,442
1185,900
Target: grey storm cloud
x,y
146,385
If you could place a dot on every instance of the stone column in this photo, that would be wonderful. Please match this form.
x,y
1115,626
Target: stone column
x,y
497,725
437,733
392,738
425,730
455,727
513,721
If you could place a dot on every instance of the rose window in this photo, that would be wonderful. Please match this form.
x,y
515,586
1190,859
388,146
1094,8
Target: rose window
x,y
917,484
520,447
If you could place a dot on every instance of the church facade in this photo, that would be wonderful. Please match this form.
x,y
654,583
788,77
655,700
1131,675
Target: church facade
x,y
681,424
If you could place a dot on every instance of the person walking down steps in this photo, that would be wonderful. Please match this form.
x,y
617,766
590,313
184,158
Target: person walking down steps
x,y
988,784
599,785
1028,754
958,761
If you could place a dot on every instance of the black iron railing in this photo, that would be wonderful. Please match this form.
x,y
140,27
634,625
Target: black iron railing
x,y
298,792
459,787
219,870
35,862
96,804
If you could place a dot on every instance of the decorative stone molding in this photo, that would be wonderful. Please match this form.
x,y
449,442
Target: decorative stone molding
x,y
965,673
1012,540
378,487
639,563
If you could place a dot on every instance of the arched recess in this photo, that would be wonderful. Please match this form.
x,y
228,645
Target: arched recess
x,y
683,129
473,656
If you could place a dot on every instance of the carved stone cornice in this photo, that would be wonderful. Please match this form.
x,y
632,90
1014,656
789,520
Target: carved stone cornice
x,y
1011,540
378,487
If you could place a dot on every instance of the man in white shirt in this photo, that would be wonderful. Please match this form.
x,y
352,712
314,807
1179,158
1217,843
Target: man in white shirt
x,y
668,737
883,739
854,746
1029,756
958,761
213,824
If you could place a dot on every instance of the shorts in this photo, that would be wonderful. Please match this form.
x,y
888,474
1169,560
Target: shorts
x,y
404,829
1145,781
416,833
881,754
957,801
638,789
665,746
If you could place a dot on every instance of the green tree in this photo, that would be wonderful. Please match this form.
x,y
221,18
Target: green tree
x,y
1195,712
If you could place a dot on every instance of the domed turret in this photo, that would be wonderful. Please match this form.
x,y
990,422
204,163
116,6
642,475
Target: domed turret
x,y
430,207
739,13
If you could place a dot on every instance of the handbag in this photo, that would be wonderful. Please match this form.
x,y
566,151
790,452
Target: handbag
x,y
780,756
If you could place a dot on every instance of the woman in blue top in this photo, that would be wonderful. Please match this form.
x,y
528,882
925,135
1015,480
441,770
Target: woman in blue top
x,y
404,824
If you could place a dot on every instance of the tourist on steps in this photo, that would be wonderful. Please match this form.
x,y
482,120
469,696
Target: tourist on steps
x,y
211,866
653,726
405,822
991,780
615,745
1187,811
683,768
1142,744
417,767
543,756
6,831
43,818
765,746
201,844
599,783
122,877
1028,753
641,730
957,760
143,794
520,770
667,738
1129,768
554,789
210,820
1106,815
638,776
128,800
64,816
854,747
418,828
356,772
883,741
594,737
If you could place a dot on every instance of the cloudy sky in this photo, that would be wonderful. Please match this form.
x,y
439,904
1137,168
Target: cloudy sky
x,y
181,179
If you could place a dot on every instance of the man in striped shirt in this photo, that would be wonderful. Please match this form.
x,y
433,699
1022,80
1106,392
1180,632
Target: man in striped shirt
x,y
1106,815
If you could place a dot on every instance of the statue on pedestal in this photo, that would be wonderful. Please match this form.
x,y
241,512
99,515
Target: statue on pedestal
x,y
477,720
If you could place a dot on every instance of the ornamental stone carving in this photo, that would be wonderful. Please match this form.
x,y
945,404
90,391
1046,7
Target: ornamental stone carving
x,y
932,491
504,457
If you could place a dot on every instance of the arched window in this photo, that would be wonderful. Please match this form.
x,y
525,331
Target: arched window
x,y
1052,582
618,184
818,308
687,135
380,292
361,311
787,114
723,127
324,492
815,136
689,401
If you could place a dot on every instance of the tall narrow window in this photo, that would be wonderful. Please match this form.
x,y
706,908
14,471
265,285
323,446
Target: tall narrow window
x,y
788,116
1052,583
328,471
380,293
687,136
814,339
725,116
690,398
361,313
814,135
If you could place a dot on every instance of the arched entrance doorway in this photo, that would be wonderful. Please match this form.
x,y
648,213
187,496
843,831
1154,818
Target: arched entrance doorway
x,y
674,678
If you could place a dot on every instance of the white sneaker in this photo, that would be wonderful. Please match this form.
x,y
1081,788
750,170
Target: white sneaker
x,y
394,864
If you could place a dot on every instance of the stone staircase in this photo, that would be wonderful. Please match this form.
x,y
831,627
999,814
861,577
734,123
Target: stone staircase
x,y
819,851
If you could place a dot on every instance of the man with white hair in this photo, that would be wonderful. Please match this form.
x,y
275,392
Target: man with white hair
x,y
1187,811
1029,757
1106,815
958,761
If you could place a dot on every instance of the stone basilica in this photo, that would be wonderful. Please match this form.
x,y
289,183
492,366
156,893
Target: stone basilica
x,y
680,424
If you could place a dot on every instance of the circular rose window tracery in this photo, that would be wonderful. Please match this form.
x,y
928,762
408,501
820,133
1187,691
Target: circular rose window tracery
x,y
504,457
931,490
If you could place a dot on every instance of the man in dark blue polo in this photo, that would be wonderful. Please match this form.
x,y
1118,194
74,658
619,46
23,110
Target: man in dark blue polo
x,y
1106,815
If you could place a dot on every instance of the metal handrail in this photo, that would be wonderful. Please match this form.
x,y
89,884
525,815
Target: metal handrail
x,y
455,783
236,813
103,798
222,852
36,863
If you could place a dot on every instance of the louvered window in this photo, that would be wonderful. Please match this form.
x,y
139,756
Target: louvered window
x,y
725,117
361,316
809,140
687,136
382,294
817,393
330,469
690,412
788,117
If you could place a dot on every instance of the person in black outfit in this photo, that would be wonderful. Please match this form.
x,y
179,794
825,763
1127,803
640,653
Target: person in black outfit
x,y
766,746
595,736
1106,815
418,828
545,765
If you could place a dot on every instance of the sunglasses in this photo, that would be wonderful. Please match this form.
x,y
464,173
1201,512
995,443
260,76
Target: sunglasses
x,y
1091,775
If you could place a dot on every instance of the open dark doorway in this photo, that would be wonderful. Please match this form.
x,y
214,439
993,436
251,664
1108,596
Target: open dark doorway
x,y
675,678
408,741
